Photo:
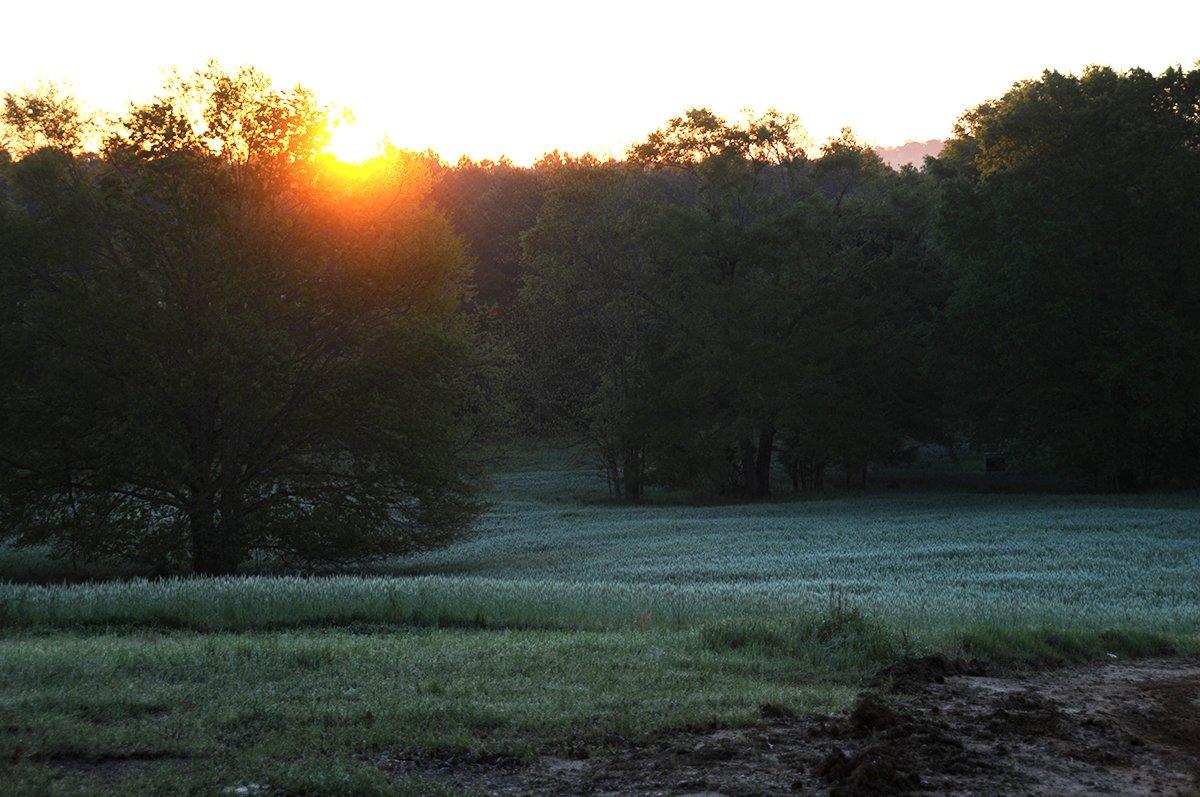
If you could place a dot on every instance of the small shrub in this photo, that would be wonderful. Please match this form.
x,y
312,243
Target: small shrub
x,y
841,639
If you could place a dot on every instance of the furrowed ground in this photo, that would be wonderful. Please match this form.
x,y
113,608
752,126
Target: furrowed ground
x,y
566,626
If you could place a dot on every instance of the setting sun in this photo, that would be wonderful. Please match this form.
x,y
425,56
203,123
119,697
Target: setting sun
x,y
547,87
351,142
637,396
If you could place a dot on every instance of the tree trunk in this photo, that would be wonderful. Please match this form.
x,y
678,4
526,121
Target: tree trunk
x,y
746,447
632,474
213,556
762,463
214,551
614,479
612,471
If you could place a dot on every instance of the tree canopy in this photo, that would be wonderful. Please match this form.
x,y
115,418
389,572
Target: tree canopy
x,y
1032,291
728,294
218,344
1069,212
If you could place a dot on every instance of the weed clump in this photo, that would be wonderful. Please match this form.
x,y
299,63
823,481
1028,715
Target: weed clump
x,y
841,639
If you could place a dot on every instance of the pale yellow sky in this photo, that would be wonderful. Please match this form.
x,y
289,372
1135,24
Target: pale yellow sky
x,y
519,78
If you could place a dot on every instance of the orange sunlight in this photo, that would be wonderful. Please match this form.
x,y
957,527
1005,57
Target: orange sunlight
x,y
350,142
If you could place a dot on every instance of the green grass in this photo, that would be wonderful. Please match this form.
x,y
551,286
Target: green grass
x,y
565,624
543,559
213,710
915,559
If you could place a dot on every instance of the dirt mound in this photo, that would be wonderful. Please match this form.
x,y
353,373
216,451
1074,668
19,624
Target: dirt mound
x,y
774,711
1122,728
873,770
903,747
914,673
870,715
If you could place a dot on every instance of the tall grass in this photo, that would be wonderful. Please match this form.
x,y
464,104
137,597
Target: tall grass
x,y
923,564
272,603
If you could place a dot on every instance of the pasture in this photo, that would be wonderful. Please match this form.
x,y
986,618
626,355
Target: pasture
x,y
566,624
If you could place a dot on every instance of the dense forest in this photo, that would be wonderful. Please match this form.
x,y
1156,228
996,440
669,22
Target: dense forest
x,y
721,300
217,342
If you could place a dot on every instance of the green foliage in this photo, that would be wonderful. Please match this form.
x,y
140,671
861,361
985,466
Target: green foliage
x,y
720,292
929,564
588,317
1029,291
840,640
46,118
325,712
218,343
490,204
1068,209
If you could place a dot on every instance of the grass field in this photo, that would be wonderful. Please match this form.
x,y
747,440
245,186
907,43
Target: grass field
x,y
565,623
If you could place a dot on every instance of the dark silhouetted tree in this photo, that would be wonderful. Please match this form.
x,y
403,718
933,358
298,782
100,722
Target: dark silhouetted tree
x,y
218,342
1070,212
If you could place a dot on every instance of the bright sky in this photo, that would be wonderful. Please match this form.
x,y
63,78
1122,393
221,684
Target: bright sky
x,y
517,77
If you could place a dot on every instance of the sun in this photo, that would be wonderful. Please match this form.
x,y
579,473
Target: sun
x,y
351,142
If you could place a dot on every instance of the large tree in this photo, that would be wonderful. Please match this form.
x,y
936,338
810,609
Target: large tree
x,y
720,294
735,281
864,341
805,290
220,343
591,322
1070,210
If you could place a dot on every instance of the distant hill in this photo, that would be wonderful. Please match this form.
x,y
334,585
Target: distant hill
x,y
913,152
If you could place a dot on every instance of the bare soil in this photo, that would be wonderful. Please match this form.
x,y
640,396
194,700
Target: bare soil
x,y
926,726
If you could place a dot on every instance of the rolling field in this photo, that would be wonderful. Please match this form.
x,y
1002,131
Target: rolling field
x,y
564,624
920,559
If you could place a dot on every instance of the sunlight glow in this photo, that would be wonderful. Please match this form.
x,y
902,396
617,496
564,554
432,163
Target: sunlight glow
x,y
351,142
526,77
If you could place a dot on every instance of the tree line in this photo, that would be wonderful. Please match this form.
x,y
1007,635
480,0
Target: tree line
x,y
217,343
720,301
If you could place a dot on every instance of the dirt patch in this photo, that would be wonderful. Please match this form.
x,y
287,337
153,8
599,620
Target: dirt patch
x,y
1175,717
926,726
